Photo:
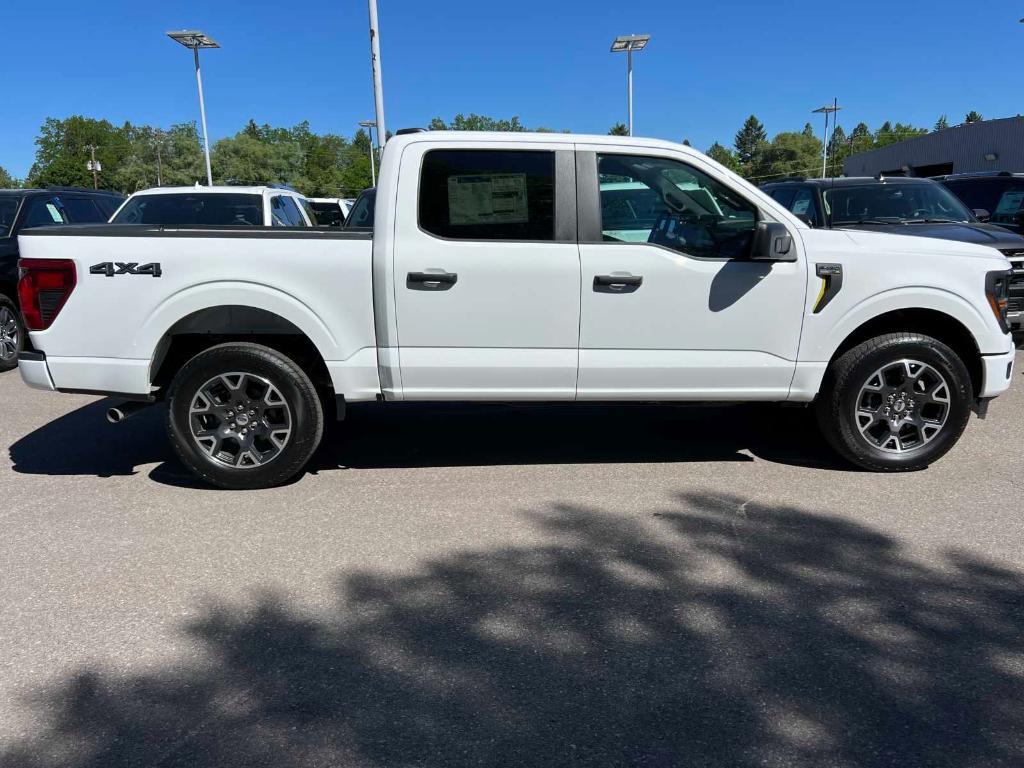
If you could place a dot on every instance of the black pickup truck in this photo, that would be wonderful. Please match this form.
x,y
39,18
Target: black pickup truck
x,y
24,208
910,206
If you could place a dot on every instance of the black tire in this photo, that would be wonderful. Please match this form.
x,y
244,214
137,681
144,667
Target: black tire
x,y
10,324
296,406
848,388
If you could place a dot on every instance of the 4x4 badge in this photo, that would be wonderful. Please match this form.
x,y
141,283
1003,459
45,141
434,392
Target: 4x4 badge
x,y
112,268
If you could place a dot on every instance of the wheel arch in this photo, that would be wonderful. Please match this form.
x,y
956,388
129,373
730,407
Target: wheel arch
x,y
213,325
928,322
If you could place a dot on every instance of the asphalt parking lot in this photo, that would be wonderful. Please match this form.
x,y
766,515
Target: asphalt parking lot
x,y
510,586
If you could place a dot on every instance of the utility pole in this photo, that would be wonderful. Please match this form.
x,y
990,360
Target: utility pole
x,y
93,166
378,85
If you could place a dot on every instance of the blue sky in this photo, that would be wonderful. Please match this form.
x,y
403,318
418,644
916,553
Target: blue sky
x,y
709,65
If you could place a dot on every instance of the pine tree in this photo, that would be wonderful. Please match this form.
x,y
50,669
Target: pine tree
x,y
941,124
748,139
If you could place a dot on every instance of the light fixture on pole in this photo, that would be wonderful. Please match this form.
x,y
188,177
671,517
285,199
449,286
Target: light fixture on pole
x,y
369,125
378,82
827,110
194,39
630,43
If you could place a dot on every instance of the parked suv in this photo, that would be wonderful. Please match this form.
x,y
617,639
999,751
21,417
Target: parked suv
x,y
904,206
212,206
999,197
24,208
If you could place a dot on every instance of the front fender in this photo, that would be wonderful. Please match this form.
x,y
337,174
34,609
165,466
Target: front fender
x,y
824,333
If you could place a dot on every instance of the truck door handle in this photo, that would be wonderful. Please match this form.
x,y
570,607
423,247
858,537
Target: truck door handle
x,y
430,281
617,283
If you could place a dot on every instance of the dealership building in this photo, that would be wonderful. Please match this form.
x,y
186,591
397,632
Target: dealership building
x,y
988,145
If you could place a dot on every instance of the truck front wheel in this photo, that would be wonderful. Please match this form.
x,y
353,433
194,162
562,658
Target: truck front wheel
x,y
244,416
896,402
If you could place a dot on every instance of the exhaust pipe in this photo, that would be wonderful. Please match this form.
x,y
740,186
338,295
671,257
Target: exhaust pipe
x,y
119,413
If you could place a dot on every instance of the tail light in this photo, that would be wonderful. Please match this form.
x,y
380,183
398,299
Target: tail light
x,y
997,288
44,286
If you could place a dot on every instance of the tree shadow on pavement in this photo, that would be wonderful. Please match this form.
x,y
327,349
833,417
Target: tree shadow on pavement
x,y
436,435
714,632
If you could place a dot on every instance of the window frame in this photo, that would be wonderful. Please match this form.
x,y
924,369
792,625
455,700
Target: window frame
x,y
589,200
564,194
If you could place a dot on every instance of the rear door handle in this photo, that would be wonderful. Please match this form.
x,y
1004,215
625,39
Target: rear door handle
x,y
617,283
430,281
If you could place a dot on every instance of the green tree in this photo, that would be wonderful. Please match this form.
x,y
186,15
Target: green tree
x,y
474,122
788,154
245,159
619,129
838,150
355,175
973,117
723,156
941,124
748,140
6,180
62,151
808,130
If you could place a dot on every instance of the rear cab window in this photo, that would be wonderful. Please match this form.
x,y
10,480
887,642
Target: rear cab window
x,y
284,212
189,209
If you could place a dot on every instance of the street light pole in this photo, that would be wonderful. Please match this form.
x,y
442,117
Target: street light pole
x,y
202,117
629,43
369,125
378,84
826,110
195,40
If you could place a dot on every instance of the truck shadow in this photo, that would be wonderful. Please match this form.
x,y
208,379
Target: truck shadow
x,y
407,435
712,632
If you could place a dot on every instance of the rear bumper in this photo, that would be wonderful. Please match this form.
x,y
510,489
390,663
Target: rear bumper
x,y
34,371
997,373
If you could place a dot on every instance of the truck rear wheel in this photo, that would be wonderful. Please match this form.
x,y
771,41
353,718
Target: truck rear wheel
x,y
896,402
12,334
244,416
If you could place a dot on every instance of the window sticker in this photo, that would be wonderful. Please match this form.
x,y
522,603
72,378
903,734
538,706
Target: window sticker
x,y
1010,202
54,213
496,198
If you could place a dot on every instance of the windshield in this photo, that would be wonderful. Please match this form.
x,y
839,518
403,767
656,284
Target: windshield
x,y
192,208
8,210
894,204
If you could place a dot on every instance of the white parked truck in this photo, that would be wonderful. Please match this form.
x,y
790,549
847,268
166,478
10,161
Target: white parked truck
x,y
521,267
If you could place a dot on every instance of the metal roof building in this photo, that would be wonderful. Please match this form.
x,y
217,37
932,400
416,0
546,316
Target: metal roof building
x,y
988,145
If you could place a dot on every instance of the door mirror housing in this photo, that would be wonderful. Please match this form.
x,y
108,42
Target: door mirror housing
x,y
772,242
981,214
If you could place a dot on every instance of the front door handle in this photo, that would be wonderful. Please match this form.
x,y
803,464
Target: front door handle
x,y
617,283
430,281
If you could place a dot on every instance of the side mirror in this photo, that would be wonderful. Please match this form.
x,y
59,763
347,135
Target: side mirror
x,y
981,214
772,242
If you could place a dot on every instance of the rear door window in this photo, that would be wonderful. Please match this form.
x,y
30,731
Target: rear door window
x,y
484,194
83,210
45,212
804,204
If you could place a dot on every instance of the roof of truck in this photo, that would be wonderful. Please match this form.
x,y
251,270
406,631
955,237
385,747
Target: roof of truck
x,y
217,189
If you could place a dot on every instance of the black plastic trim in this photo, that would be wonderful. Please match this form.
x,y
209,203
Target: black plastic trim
x,y
832,275
565,196
588,198
31,357
130,396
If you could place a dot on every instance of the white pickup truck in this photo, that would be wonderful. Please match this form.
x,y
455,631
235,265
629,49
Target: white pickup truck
x,y
512,267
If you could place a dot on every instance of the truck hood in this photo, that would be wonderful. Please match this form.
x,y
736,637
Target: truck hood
x,y
963,232
924,247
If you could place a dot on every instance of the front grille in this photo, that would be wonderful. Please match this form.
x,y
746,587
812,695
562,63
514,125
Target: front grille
x,y
1015,305
1012,252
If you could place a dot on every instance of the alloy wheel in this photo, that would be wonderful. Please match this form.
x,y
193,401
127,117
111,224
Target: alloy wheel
x,y
10,336
240,420
902,406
